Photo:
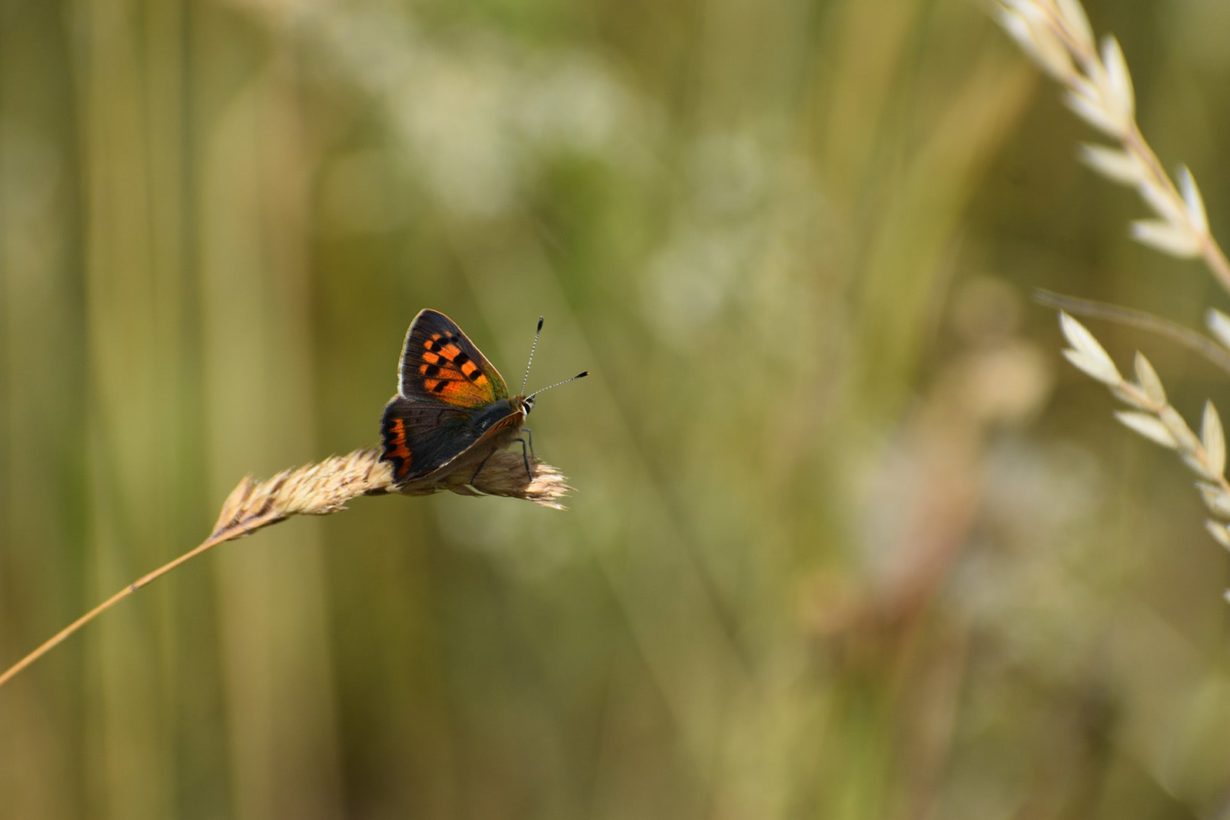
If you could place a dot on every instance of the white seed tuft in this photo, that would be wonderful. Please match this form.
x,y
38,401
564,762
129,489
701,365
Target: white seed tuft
x,y
1094,368
1120,96
1052,55
1219,325
1184,438
1028,25
1093,111
1149,381
1087,354
1197,465
1017,27
1161,199
1195,203
1167,237
1213,437
1215,498
1220,534
1112,163
1076,22
1133,395
1147,426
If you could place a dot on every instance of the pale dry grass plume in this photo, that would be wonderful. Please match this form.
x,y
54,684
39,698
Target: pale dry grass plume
x,y
1057,35
326,487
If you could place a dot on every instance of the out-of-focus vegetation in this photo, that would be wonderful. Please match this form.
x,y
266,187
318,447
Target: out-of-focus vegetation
x,y
849,541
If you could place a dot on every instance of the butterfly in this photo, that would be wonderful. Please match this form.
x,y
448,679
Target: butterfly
x,y
452,407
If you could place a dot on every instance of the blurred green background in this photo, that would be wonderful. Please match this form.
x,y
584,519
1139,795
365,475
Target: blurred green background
x,y
849,539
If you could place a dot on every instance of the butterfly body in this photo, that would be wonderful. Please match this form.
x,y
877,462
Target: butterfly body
x,y
452,408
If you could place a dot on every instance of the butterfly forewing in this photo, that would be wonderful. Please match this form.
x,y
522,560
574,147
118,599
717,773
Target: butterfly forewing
x,y
450,400
440,363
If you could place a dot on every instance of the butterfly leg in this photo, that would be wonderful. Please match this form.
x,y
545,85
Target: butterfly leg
x,y
526,451
480,466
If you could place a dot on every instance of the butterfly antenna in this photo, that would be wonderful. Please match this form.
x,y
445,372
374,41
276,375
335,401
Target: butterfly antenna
x,y
580,375
533,347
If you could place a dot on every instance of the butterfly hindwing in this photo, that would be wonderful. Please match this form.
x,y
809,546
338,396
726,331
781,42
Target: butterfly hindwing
x,y
441,365
421,437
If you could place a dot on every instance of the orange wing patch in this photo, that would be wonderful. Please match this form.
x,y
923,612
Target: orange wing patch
x,y
450,373
395,447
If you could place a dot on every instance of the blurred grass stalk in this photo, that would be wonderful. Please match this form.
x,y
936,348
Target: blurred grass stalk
x,y
153,326
1098,88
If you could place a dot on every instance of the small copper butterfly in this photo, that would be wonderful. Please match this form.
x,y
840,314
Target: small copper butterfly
x,y
452,407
